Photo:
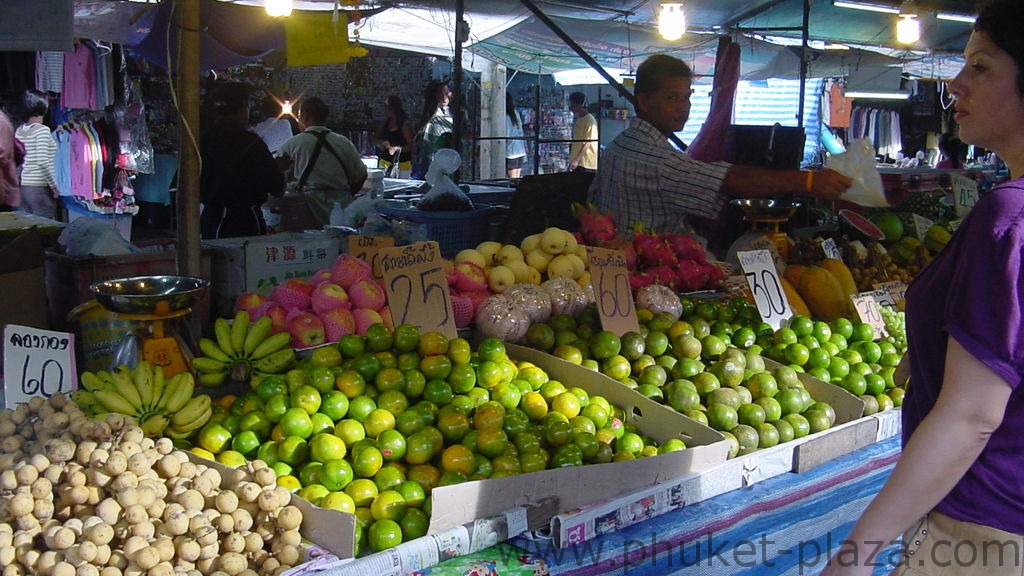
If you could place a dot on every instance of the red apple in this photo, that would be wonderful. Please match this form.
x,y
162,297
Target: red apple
x,y
249,301
469,277
306,329
329,296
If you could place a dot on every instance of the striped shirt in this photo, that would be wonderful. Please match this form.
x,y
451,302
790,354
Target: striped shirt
x,y
644,179
40,148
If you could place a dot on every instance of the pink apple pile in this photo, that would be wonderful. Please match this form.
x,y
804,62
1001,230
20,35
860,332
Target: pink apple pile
x,y
343,299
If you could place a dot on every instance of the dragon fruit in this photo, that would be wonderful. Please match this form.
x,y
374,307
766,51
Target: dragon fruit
x,y
640,279
652,250
691,276
663,275
596,227
686,247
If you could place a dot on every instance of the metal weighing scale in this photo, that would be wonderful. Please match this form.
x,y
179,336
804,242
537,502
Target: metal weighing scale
x,y
765,216
156,302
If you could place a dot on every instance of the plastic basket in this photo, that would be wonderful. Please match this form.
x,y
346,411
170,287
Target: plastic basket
x,y
453,231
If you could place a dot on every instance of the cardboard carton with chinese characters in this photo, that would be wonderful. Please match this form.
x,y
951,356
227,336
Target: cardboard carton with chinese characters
x,y
258,263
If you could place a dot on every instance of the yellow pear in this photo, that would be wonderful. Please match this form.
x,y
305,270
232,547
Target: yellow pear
x,y
577,264
471,255
571,245
538,259
529,243
535,277
499,278
489,248
561,265
552,240
507,253
520,269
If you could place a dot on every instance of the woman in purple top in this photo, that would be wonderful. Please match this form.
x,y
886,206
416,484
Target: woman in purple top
x,y
958,488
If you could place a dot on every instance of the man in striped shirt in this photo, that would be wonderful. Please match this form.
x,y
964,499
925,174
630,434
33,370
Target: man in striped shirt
x,y
644,179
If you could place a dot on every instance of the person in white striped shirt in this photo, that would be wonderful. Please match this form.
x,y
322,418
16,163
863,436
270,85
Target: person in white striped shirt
x,y
39,189
642,178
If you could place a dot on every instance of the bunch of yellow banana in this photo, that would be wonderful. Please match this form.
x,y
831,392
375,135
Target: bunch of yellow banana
x,y
240,349
161,408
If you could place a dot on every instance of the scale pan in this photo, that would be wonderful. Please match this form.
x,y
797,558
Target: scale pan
x,y
144,294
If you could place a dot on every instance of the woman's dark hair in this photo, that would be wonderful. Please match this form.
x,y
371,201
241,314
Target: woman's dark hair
x,y
395,104
651,73
35,103
430,103
510,109
953,148
230,97
1001,20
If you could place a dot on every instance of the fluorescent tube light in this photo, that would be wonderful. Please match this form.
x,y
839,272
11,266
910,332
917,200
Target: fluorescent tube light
x,y
866,6
878,95
967,18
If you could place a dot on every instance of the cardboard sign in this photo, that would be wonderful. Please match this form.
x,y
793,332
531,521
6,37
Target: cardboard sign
x,y
610,278
965,194
869,313
828,246
37,363
921,226
770,298
367,249
896,290
766,243
418,288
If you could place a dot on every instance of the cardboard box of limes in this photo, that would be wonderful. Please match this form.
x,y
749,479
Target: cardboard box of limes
x,y
579,486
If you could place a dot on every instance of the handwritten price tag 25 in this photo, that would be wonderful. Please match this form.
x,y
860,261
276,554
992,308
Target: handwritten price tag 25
x,y
367,249
869,313
37,363
610,278
759,268
417,288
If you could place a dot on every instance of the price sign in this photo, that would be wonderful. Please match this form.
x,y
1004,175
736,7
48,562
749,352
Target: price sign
x,y
417,287
37,363
610,278
367,249
896,290
965,194
869,313
764,283
828,246
955,224
921,226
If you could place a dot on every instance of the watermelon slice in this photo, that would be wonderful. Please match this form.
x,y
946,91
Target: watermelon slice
x,y
860,224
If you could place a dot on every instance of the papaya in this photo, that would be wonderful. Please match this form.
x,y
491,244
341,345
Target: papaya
x,y
793,273
796,302
842,273
823,294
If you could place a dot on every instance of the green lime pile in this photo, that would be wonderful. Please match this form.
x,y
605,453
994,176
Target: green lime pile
x,y
372,424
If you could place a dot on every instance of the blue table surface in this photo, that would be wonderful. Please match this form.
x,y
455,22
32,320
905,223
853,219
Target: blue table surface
x,y
786,525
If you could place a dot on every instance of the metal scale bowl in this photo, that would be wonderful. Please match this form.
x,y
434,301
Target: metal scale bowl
x,y
766,215
153,300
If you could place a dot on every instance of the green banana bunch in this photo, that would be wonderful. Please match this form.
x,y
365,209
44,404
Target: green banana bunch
x,y
142,393
239,347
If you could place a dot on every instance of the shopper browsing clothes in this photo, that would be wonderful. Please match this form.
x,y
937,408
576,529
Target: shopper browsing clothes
x,y
643,178
10,188
325,167
39,191
238,172
957,488
515,146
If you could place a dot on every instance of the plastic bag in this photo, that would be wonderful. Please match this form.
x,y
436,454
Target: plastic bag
x,y
444,195
858,162
130,119
93,237
358,210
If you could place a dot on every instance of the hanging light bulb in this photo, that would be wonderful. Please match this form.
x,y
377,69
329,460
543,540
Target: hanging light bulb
x,y
278,8
908,29
671,21
286,107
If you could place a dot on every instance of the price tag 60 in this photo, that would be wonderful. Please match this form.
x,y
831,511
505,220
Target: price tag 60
x,y
869,313
610,278
764,284
417,287
828,246
965,194
367,249
37,363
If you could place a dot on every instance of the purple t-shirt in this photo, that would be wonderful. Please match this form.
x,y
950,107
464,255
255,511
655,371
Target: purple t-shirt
x,y
974,292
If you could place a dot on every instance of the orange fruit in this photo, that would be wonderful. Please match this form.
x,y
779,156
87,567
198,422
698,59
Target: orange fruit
x,y
388,504
458,458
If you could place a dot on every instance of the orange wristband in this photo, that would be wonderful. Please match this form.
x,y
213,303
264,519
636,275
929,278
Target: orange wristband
x,y
809,186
